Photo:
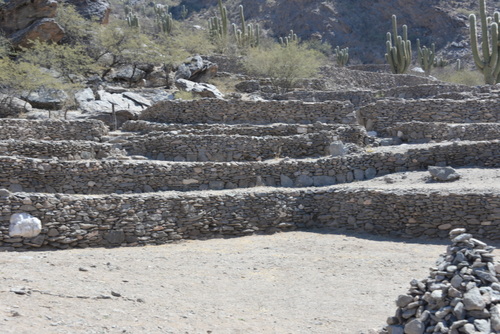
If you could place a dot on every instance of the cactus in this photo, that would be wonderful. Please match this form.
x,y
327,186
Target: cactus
x,y
184,12
440,62
247,35
426,57
489,65
459,66
398,52
132,20
164,20
342,56
292,37
218,26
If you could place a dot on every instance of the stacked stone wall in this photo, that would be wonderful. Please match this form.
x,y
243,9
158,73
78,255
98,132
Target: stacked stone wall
x,y
64,150
253,112
113,220
351,133
381,115
51,129
420,131
112,176
161,146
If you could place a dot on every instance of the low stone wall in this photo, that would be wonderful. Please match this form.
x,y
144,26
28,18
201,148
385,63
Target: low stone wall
x,y
128,220
52,129
64,150
162,146
384,113
111,176
349,133
423,91
253,112
420,131
356,97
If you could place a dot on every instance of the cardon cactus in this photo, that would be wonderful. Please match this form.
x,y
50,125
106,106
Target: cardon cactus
x,y
426,57
342,56
292,37
489,65
132,20
398,52
247,35
218,26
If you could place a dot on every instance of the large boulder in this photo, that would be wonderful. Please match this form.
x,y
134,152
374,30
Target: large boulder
x,y
196,69
200,89
12,106
26,20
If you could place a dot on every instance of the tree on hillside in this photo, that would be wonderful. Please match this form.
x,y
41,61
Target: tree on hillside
x,y
284,65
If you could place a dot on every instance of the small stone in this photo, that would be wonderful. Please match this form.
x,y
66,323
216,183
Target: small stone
x,y
443,174
115,294
403,300
83,269
453,233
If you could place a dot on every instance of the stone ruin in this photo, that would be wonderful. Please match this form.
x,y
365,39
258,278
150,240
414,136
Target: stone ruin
x,y
461,295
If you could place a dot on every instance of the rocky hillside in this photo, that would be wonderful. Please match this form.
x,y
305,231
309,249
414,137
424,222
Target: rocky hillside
x,y
360,25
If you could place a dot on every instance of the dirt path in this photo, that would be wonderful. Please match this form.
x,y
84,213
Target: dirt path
x,y
295,282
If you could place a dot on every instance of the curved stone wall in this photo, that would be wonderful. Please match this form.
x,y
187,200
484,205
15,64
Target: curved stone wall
x,y
113,220
113,176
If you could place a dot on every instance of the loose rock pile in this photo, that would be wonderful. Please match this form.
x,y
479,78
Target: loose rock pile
x,y
461,295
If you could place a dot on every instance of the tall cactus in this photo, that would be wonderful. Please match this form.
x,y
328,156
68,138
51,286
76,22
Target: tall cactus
x,y
218,26
341,56
132,20
292,37
247,35
426,57
164,20
489,65
398,52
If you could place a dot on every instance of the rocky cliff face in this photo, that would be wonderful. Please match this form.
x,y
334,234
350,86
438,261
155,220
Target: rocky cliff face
x,y
25,20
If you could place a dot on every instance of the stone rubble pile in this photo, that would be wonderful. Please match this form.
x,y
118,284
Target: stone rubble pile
x,y
461,295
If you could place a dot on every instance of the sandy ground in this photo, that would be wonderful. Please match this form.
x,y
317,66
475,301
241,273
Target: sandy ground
x,y
296,282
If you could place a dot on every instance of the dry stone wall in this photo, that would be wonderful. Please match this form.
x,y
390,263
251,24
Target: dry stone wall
x,y
161,146
420,131
253,112
384,113
113,176
350,133
64,150
113,220
52,129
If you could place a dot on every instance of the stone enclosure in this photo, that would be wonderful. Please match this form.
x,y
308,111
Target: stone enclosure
x,y
218,168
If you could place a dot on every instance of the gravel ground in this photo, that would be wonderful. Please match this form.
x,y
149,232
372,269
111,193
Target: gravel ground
x,y
296,282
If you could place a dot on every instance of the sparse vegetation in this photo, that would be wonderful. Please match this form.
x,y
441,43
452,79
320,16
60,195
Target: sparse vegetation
x,y
284,65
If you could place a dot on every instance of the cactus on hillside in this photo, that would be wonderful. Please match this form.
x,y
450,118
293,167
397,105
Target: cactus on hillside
x,y
217,27
164,20
184,12
342,56
398,51
425,57
247,35
440,62
489,65
132,20
292,37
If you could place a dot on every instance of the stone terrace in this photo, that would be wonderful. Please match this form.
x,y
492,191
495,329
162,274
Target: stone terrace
x,y
105,198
